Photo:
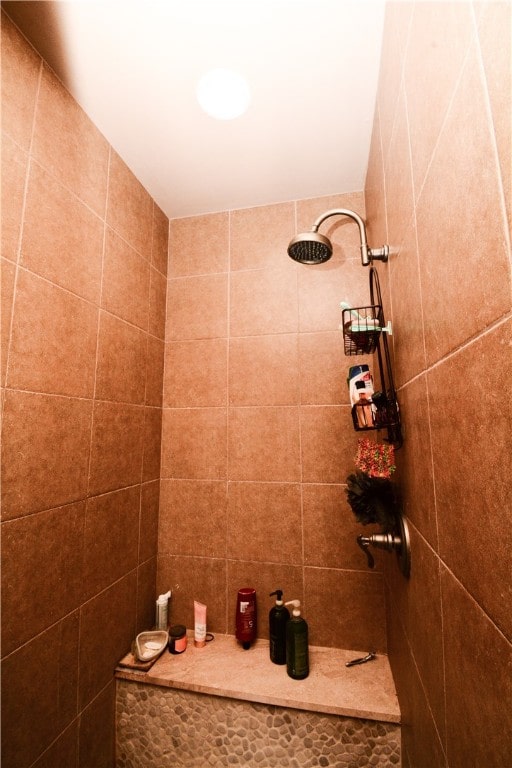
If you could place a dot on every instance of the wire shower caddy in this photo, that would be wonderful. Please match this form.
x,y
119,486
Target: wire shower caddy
x,y
365,336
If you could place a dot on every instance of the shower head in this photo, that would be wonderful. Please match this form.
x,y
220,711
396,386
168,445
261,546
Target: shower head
x,y
310,248
314,248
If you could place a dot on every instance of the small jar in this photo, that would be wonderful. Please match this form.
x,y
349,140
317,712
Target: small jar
x,y
177,639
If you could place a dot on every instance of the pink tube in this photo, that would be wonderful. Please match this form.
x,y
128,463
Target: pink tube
x,y
199,624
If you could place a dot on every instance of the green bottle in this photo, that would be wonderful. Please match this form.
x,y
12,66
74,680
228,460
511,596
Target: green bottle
x,y
297,650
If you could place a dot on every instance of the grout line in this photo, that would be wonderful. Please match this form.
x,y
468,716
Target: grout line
x,y
228,423
444,121
28,156
94,400
492,131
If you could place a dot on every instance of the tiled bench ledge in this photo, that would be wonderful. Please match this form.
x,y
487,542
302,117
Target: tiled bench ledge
x,y
222,668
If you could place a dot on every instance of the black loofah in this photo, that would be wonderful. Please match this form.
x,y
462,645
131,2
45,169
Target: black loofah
x,y
372,499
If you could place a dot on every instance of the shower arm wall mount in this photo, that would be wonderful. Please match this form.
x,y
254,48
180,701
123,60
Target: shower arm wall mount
x,y
367,254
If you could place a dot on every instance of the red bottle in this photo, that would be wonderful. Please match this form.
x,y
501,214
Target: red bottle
x,y
246,616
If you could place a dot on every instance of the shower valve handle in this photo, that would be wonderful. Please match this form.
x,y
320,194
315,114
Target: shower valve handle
x,y
364,542
388,541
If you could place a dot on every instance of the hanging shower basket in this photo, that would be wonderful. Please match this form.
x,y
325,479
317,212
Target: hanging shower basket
x,y
362,327
365,332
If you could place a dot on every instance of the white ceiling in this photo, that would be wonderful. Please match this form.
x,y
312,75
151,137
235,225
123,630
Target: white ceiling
x,y
312,67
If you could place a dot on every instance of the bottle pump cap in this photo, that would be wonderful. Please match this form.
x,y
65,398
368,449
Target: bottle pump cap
x,y
162,599
296,607
279,593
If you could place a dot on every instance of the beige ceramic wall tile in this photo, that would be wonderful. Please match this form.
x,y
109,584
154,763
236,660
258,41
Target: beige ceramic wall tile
x,y
154,371
407,342
477,690
160,241
35,475
264,444
109,519
151,448
50,543
323,287
20,78
197,308
97,728
421,611
68,145
415,471
53,344
395,40
420,736
194,578
264,522
107,628
435,56
63,751
148,539
458,223
195,441
494,22
126,281
399,181
323,368
196,373
121,365
375,201
8,277
116,447
199,245
146,590
42,677
193,518
328,443
264,370
264,301
260,236
479,489
331,529
14,171
130,208
157,303
345,609
71,255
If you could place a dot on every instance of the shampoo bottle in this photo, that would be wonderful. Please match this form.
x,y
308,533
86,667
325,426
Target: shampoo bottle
x,y
297,650
246,617
277,620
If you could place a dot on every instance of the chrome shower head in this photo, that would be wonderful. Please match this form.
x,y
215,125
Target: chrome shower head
x,y
310,248
313,248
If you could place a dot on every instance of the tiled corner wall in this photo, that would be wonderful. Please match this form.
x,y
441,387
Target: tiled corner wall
x,y
441,151
257,435
164,728
84,261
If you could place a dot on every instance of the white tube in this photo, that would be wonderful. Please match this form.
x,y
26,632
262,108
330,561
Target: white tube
x,y
162,611
199,624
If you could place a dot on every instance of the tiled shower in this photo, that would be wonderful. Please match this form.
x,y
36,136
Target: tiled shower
x,y
251,403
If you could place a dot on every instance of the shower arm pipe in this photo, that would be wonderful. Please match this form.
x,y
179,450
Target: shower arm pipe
x,y
367,254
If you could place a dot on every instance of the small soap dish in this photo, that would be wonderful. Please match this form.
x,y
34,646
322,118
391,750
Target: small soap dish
x,y
149,645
